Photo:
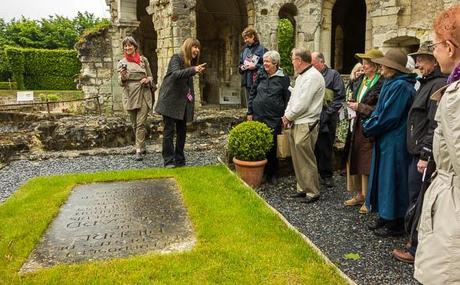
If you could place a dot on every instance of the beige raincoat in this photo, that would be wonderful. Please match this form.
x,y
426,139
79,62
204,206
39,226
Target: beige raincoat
x,y
133,91
437,260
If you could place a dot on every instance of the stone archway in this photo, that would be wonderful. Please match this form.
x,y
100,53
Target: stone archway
x,y
219,24
338,48
286,35
147,36
351,16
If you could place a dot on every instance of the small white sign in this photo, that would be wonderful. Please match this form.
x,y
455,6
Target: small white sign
x,y
25,96
230,97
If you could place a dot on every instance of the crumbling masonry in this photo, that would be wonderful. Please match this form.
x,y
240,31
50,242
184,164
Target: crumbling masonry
x,y
338,28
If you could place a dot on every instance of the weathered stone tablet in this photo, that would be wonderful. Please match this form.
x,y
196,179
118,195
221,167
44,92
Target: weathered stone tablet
x,y
119,219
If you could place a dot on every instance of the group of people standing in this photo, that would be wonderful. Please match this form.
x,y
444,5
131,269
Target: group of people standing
x,y
403,135
403,143
268,95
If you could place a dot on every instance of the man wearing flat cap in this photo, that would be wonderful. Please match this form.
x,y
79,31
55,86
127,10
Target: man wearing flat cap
x,y
420,130
387,192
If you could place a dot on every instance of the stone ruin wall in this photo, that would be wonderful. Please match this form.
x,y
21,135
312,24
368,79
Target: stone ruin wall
x,y
95,80
389,23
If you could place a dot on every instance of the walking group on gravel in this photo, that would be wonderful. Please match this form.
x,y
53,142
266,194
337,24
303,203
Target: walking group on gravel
x,y
402,151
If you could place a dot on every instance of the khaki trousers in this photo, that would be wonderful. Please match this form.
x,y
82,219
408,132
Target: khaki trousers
x,y
138,117
302,145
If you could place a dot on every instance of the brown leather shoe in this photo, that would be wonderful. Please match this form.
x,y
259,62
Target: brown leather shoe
x,y
403,255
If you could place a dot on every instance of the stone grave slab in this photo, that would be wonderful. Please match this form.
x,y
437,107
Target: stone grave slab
x,y
117,219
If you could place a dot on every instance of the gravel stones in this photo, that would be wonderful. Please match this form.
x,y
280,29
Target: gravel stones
x,y
339,230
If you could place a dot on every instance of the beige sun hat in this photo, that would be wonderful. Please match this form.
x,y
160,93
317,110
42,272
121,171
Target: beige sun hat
x,y
372,53
394,58
426,48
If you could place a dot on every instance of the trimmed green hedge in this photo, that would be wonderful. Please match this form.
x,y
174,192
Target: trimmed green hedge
x,y
38,69
6,86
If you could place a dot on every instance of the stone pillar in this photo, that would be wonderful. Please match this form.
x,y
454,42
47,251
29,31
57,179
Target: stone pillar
x,y
95,54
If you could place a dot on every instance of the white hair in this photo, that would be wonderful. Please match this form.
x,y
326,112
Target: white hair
x,y
274,56
410,63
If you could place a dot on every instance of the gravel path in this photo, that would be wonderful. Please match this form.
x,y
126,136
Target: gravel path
x,y
18,172
337,230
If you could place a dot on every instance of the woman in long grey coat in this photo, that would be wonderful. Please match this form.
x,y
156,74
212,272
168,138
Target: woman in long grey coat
x,y
135,76
177,99
437,260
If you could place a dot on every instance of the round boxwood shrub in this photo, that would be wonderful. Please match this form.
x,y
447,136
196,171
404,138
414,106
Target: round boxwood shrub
x,y
250,141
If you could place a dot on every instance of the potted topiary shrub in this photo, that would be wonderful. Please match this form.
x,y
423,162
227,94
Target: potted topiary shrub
x,y
249,143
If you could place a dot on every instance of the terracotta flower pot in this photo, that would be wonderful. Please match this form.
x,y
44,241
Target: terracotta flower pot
x,y
250,171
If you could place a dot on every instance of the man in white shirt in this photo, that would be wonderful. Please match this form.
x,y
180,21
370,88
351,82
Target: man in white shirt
x,y
302,116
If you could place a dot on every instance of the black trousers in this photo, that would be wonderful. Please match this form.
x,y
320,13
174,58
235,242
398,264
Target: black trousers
x,y
174,155
324,148
414,180
272,161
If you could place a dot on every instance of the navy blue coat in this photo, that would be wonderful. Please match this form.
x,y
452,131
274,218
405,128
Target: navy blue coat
x,y
269,97
248,76
387,190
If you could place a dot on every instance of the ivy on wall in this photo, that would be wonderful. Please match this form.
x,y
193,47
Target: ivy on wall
x,y
286,44
42,69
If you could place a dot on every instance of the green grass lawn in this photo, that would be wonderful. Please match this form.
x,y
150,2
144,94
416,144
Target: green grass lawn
x,y
239,239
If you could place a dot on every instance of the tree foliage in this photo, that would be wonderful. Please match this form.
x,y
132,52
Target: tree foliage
x,y
54,32
286,44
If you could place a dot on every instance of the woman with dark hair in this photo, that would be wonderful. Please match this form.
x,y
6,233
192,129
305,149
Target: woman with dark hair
x,y
437,260
177,99
250,59
135,76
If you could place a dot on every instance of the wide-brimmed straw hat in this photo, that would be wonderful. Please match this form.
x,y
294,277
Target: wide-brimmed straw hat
x,y
394,58
426,48
372,53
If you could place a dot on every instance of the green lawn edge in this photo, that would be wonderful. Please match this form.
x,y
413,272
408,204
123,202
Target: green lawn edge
x,y
239,239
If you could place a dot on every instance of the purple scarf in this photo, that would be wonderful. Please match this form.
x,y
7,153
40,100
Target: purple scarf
x,y
455,75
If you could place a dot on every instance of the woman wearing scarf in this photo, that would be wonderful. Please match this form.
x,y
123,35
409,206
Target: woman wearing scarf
x,y
365,95
177,100
135,76
437,260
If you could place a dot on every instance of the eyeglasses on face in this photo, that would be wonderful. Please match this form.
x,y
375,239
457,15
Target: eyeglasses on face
x,y
433,46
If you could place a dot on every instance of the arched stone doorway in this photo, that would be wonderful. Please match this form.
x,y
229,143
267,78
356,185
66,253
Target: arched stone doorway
x,y
147,37
348,33
219,25
286,35
350,15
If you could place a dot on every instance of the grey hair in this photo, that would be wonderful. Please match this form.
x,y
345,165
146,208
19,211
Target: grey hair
x,y
320,56
274,56
131,40
302,53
